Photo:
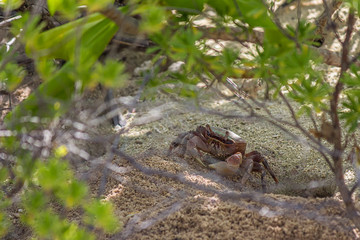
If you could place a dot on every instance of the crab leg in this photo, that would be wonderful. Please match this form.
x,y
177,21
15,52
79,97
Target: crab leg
x,y
263,185
258,158
193,149
178,142
248,165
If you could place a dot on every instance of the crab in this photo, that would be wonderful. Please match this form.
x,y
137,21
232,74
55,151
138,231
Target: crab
x,y
227,147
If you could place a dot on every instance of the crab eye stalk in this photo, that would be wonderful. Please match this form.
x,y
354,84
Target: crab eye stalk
x,y
227,134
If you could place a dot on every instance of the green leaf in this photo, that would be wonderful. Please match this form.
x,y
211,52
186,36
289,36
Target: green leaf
x,y
354,5
94,40
101,215
34,202
224,65
225,7
53,175
351,113
309,91
9,5
25,166
90,34
110,74
304,109
74,233
45,68
3,173
95,5
352,79
73,193
184,47
152,18
27,28
229,56
56,93
12,75
68,8
4,223
48,225
255,14
55,99
187,7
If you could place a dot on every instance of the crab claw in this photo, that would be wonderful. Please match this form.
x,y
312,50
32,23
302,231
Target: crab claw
x,y
235,159
224,169
228,167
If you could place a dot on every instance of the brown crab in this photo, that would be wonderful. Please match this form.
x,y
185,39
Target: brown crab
x,y
227,147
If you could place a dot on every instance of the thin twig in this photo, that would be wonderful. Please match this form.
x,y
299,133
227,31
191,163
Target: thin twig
x,y
9,20
105,172
281,28
298,13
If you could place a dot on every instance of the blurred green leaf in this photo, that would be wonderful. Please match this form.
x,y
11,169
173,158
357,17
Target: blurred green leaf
x,y
255,14
3,173
55,99
354,5
34,202
56,92
68,8
27,28
53,174
45,68
351,113
4,223
89,35
352,78
101,215
25,164
73,193
95,5
12,75
48,225
4,203
304,109
74,233
184,47
223,8
9,5
225,64
187,7
110,74
153,18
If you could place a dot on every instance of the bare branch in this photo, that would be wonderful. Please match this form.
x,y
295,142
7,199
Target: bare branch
x,y
9,20
127,24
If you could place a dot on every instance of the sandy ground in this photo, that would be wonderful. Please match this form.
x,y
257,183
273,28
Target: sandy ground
x,y
155,207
